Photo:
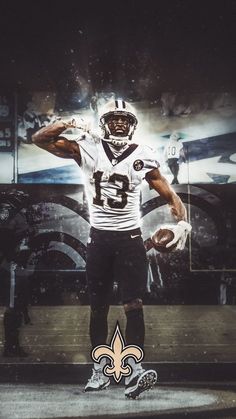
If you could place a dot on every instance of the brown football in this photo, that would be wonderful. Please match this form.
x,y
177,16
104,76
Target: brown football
x,y
160,239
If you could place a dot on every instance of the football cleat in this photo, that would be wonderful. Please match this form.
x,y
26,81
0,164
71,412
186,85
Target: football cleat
x,y
144,380
97,382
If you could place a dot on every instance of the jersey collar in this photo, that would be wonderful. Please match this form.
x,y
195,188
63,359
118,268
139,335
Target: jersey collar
x,y
115,160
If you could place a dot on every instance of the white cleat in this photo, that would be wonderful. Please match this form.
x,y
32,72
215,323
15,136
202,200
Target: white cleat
x,y
97,382
143,381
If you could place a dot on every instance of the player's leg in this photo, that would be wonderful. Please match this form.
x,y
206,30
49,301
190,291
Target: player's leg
x,y
140,379
132,270
175,171
12,319
99,280
135,327
170,165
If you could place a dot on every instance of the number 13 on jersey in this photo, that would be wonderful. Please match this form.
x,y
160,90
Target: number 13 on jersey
x,y
114,179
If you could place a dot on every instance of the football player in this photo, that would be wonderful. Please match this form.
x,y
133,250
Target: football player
x,y
114,169
173,153
14,284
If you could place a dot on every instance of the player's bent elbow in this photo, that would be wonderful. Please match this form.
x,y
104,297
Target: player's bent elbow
x,y
38,139
35,138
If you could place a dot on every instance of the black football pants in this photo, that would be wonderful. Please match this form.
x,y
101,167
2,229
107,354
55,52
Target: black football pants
x,y
119,256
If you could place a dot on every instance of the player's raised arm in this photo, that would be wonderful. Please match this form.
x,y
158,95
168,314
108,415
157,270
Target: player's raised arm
x,y
49,139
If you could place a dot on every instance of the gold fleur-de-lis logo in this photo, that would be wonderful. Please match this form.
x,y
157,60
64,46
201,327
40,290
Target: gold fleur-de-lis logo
x,y
117,352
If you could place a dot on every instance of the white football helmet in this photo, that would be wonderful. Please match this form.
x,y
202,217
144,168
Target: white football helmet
x,y
116,108
175,135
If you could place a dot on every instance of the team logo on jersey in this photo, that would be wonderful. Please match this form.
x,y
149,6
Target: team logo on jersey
x,y
114,162
138,165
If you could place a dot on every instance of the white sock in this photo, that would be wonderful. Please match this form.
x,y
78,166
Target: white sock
x,y
135,369
100,365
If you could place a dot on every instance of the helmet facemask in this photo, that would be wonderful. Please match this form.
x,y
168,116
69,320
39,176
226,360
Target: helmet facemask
x,y
118,123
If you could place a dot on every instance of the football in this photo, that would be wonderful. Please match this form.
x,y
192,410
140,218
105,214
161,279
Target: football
x,y
160,239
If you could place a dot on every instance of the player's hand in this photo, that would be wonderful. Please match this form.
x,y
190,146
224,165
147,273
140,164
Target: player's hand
x,y
80,123
171,237
75,122
69,124
180,231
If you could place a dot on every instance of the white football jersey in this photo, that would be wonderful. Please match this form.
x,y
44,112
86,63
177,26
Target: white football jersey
x,y
172,149
112,184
